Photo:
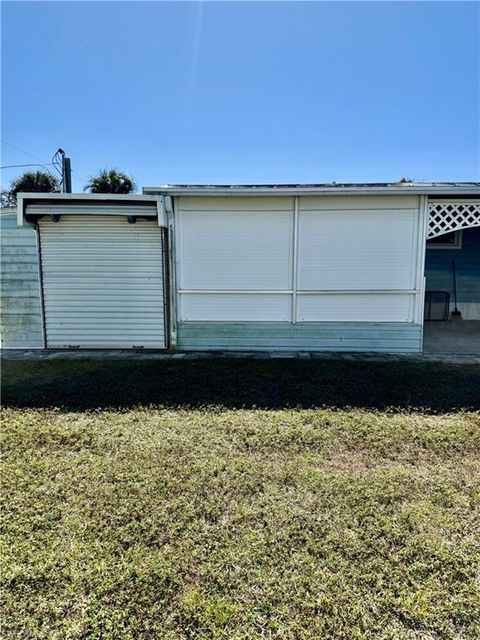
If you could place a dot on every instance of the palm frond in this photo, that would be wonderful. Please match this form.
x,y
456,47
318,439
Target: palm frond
x,y
111,181
34,182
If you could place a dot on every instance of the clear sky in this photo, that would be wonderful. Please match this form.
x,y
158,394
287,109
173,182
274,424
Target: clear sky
x,y
246,92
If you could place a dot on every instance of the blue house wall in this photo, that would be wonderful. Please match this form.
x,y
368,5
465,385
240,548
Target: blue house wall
x,y
21,313
438,272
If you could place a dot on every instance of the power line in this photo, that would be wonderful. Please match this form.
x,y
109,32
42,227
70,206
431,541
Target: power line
x,y
57,161
9,144
11,166
41,162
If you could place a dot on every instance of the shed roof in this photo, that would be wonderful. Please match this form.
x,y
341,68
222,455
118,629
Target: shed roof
x,y
333,188
36,205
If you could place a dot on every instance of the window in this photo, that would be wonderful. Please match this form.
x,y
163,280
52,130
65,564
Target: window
x,y
451,240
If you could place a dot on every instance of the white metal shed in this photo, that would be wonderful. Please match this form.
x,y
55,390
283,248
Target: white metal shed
x,y
102,270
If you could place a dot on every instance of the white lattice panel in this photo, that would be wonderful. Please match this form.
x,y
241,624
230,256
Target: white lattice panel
x,y
447,216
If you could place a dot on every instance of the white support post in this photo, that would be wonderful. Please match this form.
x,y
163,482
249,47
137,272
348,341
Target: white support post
x,y
161,213
20,219
420,266
172,284
295,260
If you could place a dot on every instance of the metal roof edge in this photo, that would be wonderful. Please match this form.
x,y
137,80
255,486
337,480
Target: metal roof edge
x,y
115,197
292,190
65,201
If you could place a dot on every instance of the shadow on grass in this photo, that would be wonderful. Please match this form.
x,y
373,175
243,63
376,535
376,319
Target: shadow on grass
x,y
240,383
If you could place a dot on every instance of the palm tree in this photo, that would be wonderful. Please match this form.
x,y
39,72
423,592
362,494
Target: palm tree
x,y
34,182
6,199
111,181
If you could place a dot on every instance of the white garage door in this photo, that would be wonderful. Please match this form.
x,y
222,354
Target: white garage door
x,y
103,282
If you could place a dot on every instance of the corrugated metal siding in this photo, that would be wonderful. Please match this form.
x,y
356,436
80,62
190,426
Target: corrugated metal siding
x,y
103,282
438,271
21,318
283,336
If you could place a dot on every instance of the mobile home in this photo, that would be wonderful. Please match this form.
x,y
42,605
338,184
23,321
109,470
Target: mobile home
x,y
251,268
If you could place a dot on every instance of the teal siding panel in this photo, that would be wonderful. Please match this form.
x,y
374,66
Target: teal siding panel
x,y
8,221
21,317
19,269
278,336
438,269
19,287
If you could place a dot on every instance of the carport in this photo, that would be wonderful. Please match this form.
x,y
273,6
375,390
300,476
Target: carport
x,y
452,272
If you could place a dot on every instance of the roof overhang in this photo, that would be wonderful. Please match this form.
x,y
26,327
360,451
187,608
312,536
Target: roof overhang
x,y
431,189
31,206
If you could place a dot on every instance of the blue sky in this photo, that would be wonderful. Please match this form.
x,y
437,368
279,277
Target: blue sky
x,y
244,92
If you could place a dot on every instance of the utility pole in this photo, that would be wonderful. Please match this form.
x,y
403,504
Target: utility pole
x,y
66,171
67,175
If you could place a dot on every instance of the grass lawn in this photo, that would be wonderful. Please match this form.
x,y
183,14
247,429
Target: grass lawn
x,y
240,499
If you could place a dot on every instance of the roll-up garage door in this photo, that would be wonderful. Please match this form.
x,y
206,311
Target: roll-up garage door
x,y
103,282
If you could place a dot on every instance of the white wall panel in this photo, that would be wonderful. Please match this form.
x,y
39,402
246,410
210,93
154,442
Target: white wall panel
x,y
235,203
373,307
367,249
103,282
233,307
247,249
358,203
240,245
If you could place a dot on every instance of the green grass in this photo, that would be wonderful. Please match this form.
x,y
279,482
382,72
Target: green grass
x,y
304,500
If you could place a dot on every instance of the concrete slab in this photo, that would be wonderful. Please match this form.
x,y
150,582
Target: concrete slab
x,y
112,354
452,337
